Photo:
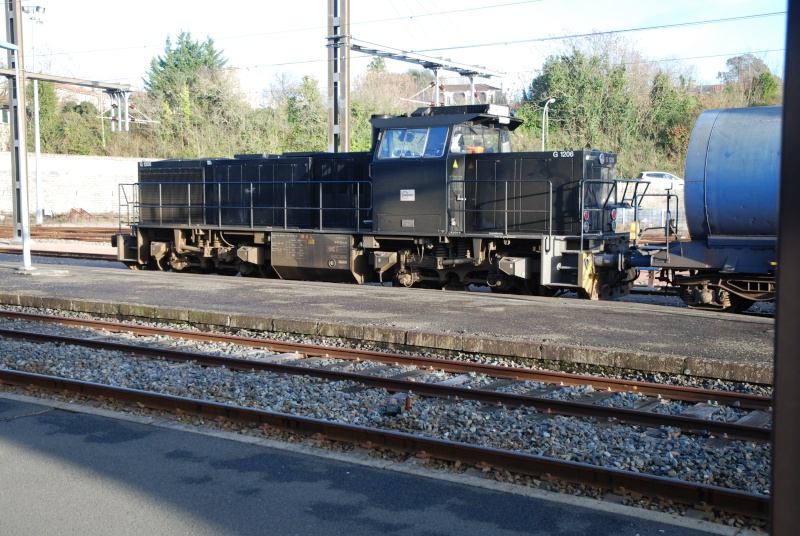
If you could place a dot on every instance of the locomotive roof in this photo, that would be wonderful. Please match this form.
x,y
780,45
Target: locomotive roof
x,y
436,116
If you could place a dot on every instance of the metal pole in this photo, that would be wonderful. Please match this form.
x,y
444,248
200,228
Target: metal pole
x,y
127,115
344,78
471,89
544,119
785,432
38,149
22,168
33,10
338,75
436,87
111,95
19,150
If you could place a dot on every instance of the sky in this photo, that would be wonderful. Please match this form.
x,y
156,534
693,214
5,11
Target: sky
x,y
266,39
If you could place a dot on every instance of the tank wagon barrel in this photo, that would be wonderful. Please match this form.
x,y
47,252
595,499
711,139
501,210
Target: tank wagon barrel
x,y
731,198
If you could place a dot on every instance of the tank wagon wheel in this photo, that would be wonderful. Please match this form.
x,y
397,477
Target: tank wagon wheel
x,y
739,304
728,303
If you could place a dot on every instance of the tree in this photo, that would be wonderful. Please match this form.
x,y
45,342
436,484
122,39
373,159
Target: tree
x,y
609,97
749,79
196,100
307,117
766,90
181,65
673,111
594,107
742,70
380,93
377,65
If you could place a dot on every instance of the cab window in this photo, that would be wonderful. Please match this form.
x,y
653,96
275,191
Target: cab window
x,y
413,142
480,139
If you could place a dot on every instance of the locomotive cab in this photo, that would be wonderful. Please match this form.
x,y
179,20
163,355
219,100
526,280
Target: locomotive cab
x,y
418,155
453,206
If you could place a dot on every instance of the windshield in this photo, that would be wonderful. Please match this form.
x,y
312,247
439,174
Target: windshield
x,y
480,139
413,142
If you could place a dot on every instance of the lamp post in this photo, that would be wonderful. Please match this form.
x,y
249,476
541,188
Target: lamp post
x,y
35,15
545,118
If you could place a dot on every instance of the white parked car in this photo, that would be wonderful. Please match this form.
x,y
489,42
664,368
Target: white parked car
x,y
660,179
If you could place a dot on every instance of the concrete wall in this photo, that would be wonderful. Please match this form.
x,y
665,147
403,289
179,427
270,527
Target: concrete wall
x,y
70,182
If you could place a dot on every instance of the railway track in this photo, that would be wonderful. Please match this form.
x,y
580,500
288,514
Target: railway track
x,y
425,380
83,234
79,255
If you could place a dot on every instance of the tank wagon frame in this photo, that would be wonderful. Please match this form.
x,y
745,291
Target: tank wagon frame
x,y
731,198
439,201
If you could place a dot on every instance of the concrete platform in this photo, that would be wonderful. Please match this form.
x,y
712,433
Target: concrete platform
x,y
69,469
618,334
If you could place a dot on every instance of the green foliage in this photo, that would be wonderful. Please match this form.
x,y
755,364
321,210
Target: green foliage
x,y
742,69
749,78
765,90
67,129
673,111
606,98
307,117
594,107
377,65
420,77
181,66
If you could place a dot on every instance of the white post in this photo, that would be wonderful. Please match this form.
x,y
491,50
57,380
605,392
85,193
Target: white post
x,y
544,119
22,168
38,148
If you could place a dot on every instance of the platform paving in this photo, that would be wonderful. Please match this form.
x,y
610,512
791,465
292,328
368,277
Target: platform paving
x,y
618,334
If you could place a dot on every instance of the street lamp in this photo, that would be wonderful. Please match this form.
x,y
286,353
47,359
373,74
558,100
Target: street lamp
x,y
545,117
35,14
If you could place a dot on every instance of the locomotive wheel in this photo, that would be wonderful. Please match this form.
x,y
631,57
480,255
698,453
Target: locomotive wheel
x,y
136,266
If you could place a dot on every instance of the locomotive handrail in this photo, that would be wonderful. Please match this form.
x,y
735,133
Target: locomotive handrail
x,y
605,205
505,210
167,192
127,205
666,227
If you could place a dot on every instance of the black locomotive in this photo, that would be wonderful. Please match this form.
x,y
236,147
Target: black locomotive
x,y
440,200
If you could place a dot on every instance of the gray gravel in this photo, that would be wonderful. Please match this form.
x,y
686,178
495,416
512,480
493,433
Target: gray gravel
x,y
666,452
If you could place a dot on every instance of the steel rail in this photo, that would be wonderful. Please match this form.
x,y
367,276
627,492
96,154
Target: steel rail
x,y
542,405
62,254
65,233
725,499
673,392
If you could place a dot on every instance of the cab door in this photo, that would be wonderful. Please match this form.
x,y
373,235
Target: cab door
x,y
409,182
457,194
